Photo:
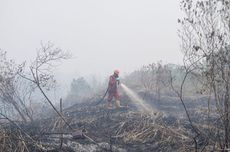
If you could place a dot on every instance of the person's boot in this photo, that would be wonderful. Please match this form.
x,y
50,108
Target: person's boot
x,y
110,106
118,105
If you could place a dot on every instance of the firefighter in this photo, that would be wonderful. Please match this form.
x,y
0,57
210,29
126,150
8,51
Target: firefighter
x,y
113,90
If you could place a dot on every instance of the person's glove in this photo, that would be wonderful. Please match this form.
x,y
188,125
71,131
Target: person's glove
x,y
118,80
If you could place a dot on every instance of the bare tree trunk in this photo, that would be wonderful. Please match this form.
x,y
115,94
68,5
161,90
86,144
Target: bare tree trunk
x,y
226,113
27,113
19,111
61,129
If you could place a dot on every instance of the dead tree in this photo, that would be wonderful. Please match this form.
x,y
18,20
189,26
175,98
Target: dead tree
x,y
147,77
180,93
154,77
8,86
40,72
205,35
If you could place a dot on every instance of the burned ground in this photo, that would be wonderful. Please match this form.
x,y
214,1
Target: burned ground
x,y
126,129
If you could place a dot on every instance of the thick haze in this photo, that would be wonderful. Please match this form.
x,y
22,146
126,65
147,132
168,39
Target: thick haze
x,y
103,35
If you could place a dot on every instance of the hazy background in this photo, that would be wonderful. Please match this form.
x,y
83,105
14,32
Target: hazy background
x,y
103,35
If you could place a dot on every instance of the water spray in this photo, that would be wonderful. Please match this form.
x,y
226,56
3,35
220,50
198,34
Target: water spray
x,y
140,103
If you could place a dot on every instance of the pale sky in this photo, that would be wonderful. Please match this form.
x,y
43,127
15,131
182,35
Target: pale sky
x,y
103,35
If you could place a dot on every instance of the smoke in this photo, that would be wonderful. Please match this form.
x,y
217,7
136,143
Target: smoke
x,y
140,103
